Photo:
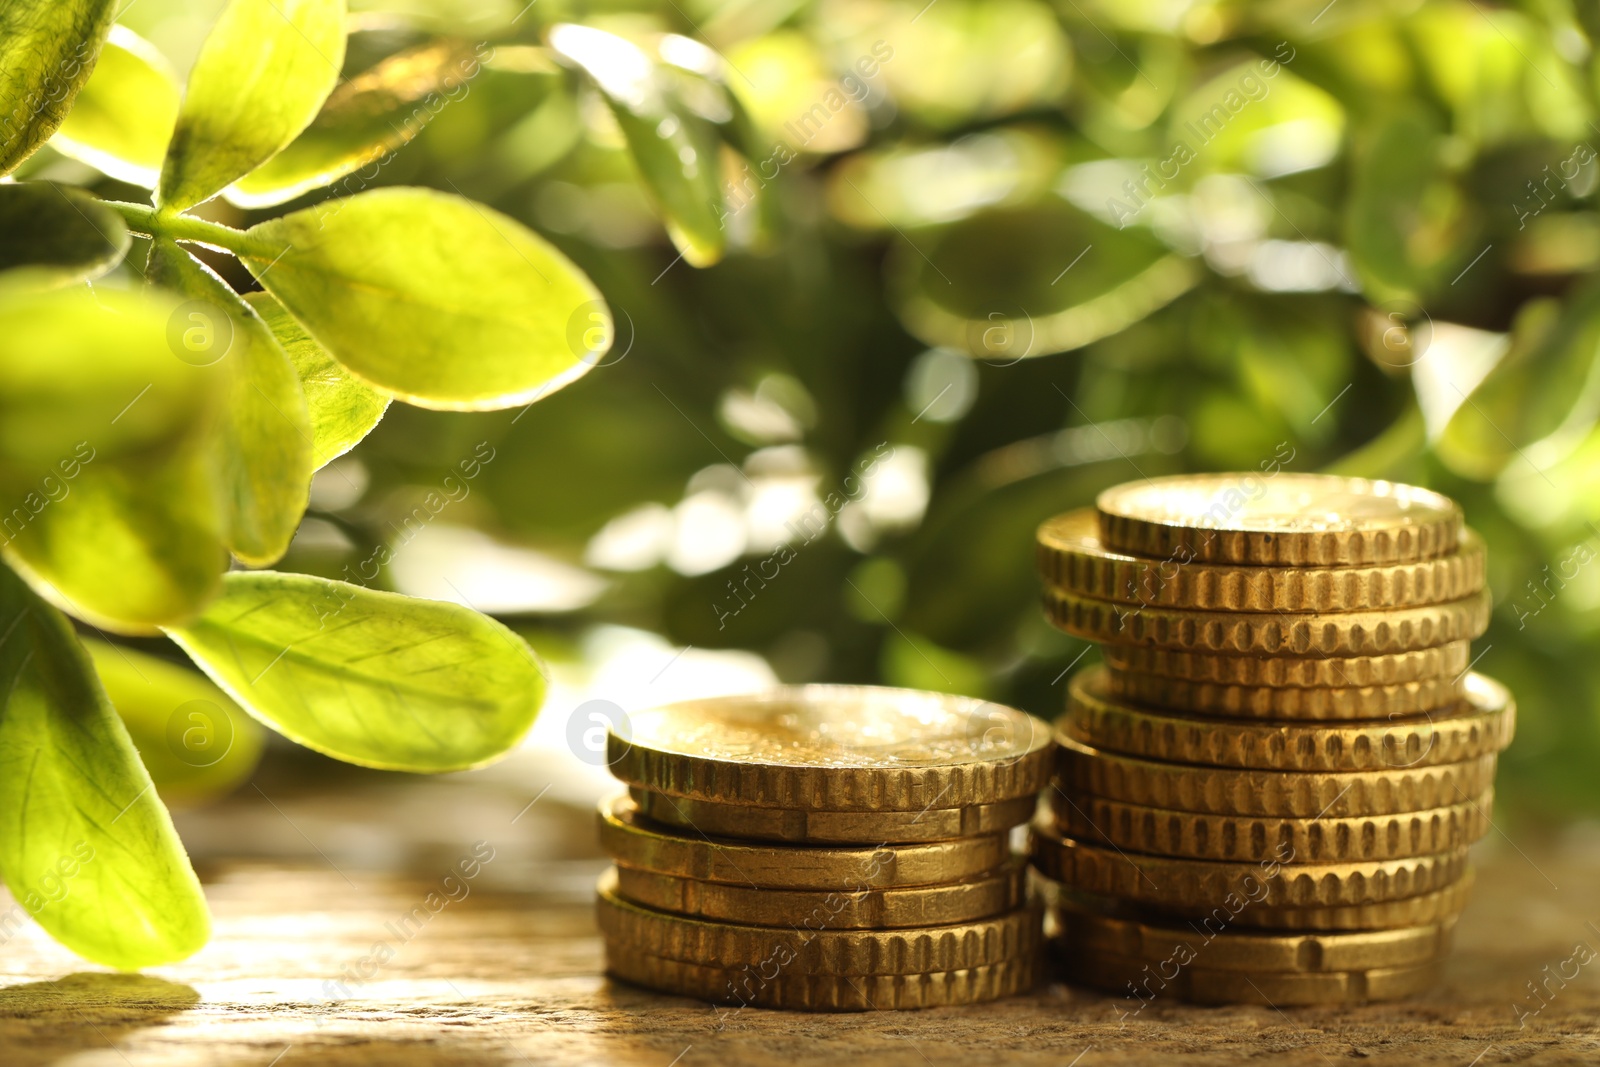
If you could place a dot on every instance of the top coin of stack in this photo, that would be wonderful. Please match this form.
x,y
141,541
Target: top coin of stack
x,y
1285,735
823,847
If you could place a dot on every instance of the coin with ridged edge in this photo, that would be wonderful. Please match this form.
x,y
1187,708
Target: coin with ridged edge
x,y
1440,904
930,905
1071,557
835,748
820,949
637,842
1220,948
1201,885
1350,633
1280,519
1086,771
1197,984
833,827
1244,838
1445,661
787,989
1289,702
1095,718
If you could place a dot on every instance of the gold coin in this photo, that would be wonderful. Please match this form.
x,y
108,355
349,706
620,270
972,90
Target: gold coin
x,y
1423,908
774,987
1143,982
1350,633
636,842
881,909
1216,947
817,949
1086,771
833,827
835,748
1397,668
1441,904
1071,557
1228,838
1278,520
1293,702
1202,885
1482,726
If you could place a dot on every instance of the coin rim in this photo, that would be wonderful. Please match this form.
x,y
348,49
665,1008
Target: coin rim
x,y
1485,723
1079,562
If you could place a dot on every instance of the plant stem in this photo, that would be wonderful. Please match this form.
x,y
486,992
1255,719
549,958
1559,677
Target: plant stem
x,y
146,220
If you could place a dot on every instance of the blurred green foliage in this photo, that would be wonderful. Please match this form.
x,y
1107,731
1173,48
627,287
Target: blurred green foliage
x,y
983,258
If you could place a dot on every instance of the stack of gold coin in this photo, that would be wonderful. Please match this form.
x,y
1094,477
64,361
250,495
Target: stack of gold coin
x,y
827,848
1267,791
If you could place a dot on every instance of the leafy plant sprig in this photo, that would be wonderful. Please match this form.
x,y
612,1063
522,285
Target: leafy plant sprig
x,y
148,435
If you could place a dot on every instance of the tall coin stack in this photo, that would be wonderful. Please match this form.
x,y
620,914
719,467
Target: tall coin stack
x,y
828,848
1267,792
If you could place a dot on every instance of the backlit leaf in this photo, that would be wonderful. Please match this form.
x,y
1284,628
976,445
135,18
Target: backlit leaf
x,y
368,677
343,410
364,120
47,50
676,149
259,80
107,501
124,115
264,438
432,298
195,742
86,846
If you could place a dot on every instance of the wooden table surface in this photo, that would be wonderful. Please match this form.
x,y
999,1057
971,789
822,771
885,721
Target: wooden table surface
x,y
313,962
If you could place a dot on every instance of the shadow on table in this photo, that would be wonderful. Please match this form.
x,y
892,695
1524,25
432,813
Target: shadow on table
x,y
97,1008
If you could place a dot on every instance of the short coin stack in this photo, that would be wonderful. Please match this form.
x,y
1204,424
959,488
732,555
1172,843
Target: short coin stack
x,y
1267,792
828,848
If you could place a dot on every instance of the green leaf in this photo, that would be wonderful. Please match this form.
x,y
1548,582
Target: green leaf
x,y
1016,283
364,120
265,439
124,115
1254,117
85,844
52,236
1540,401
432,298
107,501
676,149
259,80
368,677
343,410
1405,222
195,742
47,50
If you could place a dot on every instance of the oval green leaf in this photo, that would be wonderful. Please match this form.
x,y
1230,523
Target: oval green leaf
x,y
85,844
343,410
52,236
260,79
432,298
107,500
364,120
1540,401
1405,222
676,150
1012,284
47,50
196,743
264,440
367,677
124,114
